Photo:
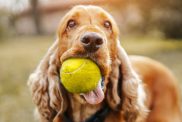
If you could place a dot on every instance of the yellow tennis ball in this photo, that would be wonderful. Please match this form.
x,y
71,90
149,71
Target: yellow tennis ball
x,y
79,75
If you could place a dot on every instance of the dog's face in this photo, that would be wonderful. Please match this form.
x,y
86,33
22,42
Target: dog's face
x,y
89,32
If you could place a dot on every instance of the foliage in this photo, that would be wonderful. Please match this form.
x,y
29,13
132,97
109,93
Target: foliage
x,y
166,15
145,16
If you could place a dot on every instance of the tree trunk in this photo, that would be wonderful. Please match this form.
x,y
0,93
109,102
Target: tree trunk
x,y
36,16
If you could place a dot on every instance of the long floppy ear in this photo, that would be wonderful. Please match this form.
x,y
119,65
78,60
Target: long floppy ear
x,y
125,91
113,95
133,95
45,87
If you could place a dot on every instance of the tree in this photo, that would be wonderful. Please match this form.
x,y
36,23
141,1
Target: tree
x,y
36,15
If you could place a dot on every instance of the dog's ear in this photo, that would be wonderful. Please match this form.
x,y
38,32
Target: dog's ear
x,y
113,96
125,90
45,87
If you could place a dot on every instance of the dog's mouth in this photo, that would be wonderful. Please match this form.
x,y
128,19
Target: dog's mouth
x,y
95,96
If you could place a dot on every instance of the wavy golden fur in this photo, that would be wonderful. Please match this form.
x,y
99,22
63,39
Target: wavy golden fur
x,y
128,102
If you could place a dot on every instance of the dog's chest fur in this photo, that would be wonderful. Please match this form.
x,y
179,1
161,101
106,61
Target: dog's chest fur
x,y
81,111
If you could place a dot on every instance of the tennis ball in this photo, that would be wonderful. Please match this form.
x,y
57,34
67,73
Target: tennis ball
x,y
79,75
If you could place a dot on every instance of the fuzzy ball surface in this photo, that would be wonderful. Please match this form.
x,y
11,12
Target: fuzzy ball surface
x,y
79,75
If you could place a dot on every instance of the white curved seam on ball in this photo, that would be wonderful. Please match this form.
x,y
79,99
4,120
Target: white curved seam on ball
x,y
75,70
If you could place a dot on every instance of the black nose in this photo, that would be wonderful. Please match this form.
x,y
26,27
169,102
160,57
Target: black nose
x,y
91,41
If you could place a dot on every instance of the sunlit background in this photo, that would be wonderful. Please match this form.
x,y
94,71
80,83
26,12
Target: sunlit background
x,y
151,28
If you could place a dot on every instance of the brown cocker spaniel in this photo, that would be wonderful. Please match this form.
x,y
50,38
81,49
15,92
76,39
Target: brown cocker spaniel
x,y
136,89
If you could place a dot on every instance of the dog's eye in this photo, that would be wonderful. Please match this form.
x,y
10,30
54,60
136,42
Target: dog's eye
x,y
71,23
107,24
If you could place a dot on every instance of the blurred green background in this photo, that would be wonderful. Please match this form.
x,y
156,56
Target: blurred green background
x,y
27,28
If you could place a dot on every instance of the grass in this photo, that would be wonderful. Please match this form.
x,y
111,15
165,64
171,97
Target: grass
x,y
20,55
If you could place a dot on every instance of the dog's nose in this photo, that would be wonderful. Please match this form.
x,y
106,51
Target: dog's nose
x,y
91,41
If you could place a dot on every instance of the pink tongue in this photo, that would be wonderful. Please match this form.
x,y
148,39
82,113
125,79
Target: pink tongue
x,y
94,97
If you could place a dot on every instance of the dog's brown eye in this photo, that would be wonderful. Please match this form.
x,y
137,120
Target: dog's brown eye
x,y
71,24
107,24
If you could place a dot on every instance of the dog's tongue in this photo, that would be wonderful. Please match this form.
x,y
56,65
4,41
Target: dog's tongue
x,y
94,97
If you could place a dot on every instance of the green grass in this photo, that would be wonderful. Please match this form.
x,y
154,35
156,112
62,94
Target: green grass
x,y
18,58
20,55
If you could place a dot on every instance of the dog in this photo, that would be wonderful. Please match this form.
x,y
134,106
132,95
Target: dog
x,y
136,88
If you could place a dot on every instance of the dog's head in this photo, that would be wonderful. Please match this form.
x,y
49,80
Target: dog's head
x,y
89,32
